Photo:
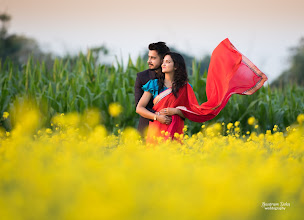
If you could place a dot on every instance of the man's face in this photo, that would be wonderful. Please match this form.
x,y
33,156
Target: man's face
x,y
154,60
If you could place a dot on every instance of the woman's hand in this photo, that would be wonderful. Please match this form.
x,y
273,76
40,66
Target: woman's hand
x,y
171,111
168,111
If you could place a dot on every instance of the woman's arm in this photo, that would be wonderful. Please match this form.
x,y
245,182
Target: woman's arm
x,y
171,111
141,109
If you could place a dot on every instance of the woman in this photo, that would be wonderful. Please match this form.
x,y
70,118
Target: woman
x,y
229,73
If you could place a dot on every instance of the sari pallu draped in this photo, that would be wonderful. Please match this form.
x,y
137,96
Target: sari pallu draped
x,y
230,72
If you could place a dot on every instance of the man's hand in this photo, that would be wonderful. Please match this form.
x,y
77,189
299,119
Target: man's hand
x,y
164,119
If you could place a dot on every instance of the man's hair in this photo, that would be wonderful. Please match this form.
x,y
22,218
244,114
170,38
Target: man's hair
x,y
160,47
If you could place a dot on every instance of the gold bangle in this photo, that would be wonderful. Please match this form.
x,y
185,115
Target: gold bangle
x,y
154,117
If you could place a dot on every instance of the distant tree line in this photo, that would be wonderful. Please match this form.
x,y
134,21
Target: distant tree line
x,y
19,48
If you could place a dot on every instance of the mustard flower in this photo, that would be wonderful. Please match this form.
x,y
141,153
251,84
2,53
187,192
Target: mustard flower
x,y
300,118
115,109
251,120
229,126
5,115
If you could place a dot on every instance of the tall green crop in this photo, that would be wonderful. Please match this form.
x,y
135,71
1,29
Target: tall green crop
x,y
75,87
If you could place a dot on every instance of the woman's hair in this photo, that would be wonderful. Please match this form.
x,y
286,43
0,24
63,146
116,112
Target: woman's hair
x,y
180,74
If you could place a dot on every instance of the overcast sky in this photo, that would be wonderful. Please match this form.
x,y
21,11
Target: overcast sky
x,y
263,30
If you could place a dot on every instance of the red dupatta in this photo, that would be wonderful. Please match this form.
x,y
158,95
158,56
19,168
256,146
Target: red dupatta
x,y
230,72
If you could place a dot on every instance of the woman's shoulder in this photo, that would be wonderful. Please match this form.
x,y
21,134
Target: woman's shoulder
x,y
153,81
151,85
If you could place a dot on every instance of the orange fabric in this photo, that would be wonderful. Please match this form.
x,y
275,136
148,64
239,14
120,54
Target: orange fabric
x,y
230,72
177,124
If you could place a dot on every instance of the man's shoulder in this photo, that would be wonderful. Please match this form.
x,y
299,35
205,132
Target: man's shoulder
x,y
143,73
144,76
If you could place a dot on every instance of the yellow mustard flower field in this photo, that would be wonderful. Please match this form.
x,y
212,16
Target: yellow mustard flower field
x,y
76,170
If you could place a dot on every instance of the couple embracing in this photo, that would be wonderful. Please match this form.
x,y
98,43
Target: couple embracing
x,y
164,97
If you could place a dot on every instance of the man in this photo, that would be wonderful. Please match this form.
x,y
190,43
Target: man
x,y
155,58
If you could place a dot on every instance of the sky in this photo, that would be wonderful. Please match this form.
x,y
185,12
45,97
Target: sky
x,y
263,30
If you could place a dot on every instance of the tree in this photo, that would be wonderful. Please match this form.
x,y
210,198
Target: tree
x,y
19,48
295,74
4,18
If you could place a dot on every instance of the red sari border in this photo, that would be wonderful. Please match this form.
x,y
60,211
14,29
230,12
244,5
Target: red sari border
x,y
255,70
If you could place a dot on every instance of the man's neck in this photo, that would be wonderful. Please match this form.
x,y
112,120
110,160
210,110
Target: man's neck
x,y
157,71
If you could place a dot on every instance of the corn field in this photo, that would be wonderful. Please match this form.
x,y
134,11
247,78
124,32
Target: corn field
x,y
74,88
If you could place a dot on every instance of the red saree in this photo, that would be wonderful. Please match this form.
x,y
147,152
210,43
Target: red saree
x,y
230,72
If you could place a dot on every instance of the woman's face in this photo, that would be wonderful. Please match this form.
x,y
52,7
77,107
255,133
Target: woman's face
x,y
168,65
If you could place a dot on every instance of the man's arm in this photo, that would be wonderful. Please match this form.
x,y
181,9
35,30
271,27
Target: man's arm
x,y
138,92
141,109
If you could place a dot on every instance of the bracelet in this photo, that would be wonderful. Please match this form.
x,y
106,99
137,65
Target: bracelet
x,y
155,117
